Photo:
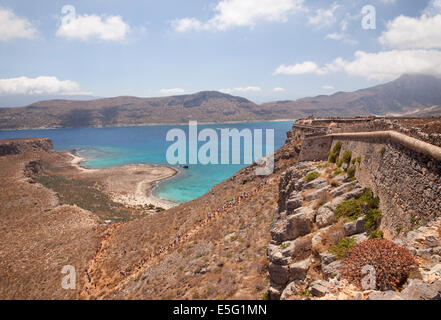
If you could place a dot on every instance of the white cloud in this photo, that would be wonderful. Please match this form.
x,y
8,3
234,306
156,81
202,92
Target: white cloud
x,y
380,66
278,89
433,8
341,36
39,85
241,13
327,87
172,91
186,24
300,68
413,33
13,27
240,89
324,17
87,27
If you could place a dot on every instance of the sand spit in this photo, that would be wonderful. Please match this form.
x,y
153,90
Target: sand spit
x,y
131,185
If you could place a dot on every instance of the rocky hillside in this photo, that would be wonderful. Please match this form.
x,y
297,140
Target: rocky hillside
x,y
409,95
17,146
128,111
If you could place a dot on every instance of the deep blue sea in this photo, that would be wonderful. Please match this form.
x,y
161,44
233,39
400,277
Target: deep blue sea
x,y
116,146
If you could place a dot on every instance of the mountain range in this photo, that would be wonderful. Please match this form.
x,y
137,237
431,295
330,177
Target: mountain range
x,y
409,95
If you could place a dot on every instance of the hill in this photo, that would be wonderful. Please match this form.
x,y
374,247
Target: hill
x,y
416,95
409,94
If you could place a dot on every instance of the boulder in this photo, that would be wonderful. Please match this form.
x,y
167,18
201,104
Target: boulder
x,y
293,203
327,258
331,270
354,194
419,290
276,255
294,226
299,269
289,291
354,227
278,274
319,288
342,189
316,184
324,217
274,293
316,194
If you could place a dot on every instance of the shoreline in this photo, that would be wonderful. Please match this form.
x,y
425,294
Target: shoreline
x,y
139,196
153,125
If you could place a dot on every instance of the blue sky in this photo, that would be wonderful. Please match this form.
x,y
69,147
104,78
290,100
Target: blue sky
x,y
261,49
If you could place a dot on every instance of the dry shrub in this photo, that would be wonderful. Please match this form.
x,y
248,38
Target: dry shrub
x,y
322,199
392,263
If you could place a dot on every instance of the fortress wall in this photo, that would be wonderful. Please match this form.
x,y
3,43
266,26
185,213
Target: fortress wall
x,y
408,182
315,149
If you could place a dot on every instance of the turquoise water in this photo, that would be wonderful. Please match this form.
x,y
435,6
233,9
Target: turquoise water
x,y
116,146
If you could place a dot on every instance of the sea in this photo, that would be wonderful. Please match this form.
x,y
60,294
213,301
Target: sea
x,y
116,146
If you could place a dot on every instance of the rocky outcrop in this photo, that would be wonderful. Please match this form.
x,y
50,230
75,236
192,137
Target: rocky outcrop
x,y
303,224
18,146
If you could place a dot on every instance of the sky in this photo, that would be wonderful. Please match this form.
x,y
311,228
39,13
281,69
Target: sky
x,y
264,50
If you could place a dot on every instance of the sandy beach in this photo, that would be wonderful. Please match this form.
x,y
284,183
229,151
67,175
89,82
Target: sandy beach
x,y
131,185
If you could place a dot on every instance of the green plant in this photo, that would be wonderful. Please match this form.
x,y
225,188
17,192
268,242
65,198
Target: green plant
x,y
359,160
372,219
347,156
342,247
335,152
311,176
351,172
382,151
339,163
353,161
305,293
266,295
399,229
376,234
284,245
353,209
337,172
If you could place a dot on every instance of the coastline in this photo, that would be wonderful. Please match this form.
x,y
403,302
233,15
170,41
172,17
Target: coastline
x,y
138,192
154,124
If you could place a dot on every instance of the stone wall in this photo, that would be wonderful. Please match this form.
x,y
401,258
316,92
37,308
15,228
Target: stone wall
x,y
408,183
315,149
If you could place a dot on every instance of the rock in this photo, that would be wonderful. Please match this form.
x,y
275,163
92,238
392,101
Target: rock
x,y
354,194
293,203
354,227
294,226
319,288
431,242
276,255
324,217
316,194
279,274
342,189
327,258
361,237
274,293
418,290
385,295
335,203
289,291
299,269
332,270
315,184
